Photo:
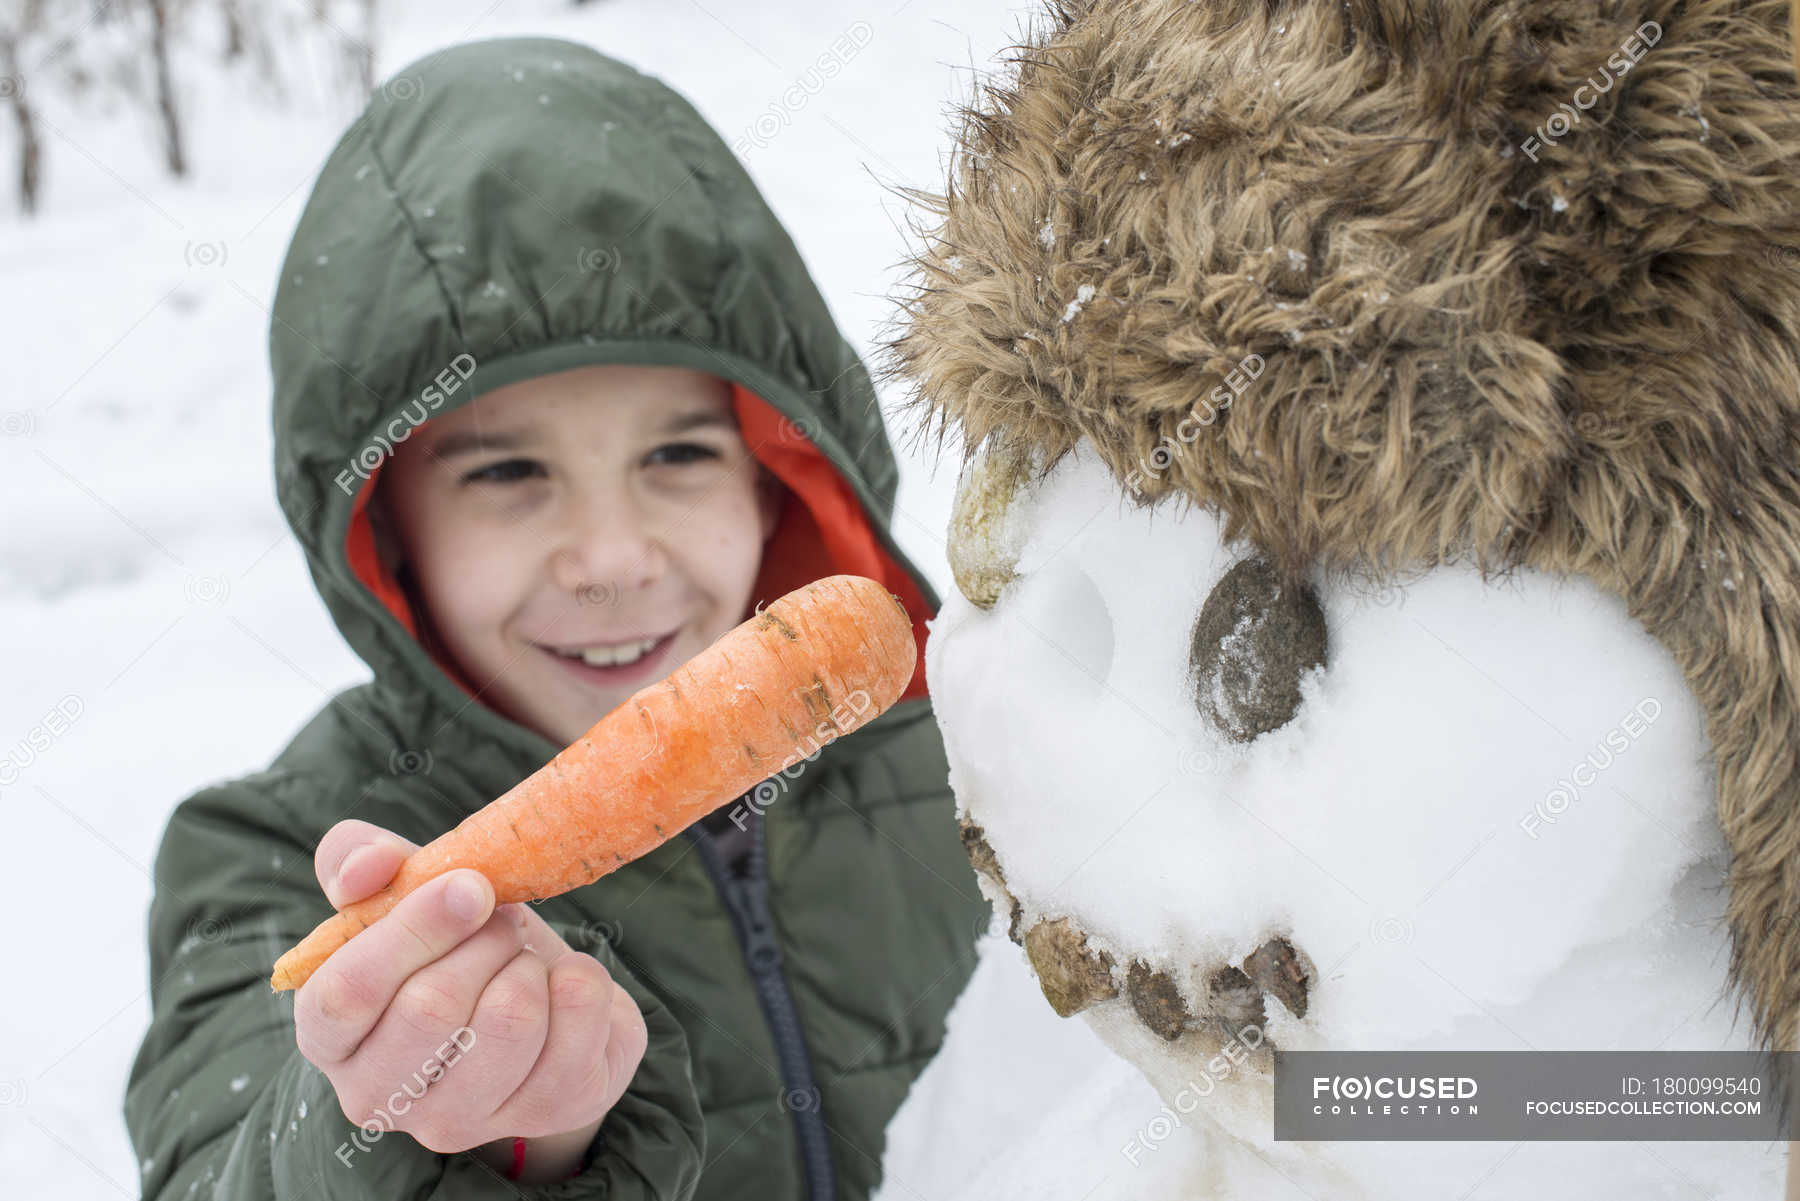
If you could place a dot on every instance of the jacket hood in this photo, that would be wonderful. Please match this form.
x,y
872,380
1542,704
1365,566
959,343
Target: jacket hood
x,y
517,206
1513,280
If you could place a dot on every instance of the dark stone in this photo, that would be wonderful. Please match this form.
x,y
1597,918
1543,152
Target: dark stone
x,y
1072,975
981,855
1234,1001
1255,637
1284,972
1156,1000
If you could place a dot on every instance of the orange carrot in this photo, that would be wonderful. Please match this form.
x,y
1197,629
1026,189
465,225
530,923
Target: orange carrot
x,y
808,666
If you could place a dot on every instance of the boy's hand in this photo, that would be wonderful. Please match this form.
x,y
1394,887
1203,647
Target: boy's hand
x,y
462,1024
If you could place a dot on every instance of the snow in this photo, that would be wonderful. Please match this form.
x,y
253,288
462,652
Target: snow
x,y
1083,294
1489,824
147,570
1042,1082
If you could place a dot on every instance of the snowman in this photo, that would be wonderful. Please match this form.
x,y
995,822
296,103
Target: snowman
x,y
1377,559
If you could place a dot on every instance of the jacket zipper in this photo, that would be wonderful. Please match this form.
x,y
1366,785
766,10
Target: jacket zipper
x,y
746,897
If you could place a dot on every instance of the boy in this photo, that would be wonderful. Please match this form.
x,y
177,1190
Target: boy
x,y
556,404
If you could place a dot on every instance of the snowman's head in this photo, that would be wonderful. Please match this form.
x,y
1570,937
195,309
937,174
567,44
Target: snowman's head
x,y
1224,812
1381,415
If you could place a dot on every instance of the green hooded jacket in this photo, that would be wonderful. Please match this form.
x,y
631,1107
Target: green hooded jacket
x,y
504,209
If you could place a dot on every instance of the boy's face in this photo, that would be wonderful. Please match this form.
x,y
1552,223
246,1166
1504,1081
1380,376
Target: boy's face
x,y
576,536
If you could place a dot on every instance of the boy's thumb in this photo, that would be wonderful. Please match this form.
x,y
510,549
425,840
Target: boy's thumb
x,y
365,861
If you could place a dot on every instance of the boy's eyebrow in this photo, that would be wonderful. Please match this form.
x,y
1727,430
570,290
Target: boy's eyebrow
x,y
695,418
464,442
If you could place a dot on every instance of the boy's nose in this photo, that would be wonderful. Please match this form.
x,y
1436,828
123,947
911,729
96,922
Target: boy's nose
x,y
606,548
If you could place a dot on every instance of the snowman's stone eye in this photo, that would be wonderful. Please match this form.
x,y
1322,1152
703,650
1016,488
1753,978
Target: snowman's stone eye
x,y
1253,641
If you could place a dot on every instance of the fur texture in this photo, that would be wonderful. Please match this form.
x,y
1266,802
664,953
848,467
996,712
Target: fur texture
x,y
1577,356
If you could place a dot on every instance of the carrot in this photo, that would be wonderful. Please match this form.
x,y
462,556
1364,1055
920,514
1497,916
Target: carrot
x,y
823,657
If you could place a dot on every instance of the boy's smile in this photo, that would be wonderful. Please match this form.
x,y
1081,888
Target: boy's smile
x,y
573,537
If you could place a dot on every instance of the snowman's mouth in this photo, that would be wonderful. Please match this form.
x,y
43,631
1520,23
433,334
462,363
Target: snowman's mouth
x,y
1276,969
1236,1000
1075,974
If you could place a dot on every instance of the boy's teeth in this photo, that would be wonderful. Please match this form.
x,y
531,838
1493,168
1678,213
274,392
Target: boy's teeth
x,y
614,656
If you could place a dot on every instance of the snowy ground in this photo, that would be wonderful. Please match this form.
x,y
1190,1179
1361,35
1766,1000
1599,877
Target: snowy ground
x,y
148,585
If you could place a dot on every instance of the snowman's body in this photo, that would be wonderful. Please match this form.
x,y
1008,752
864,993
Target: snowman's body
x,y
1487,824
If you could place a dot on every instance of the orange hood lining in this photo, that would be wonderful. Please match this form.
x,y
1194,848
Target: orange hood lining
x,y
826,533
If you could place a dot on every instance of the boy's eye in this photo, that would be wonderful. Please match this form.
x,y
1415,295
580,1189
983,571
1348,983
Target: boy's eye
x,y
682,452
504,472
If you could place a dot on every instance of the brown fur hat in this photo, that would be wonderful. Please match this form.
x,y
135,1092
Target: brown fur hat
x,y
1524,280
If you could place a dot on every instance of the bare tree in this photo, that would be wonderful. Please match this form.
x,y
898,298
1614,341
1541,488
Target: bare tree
x,y
83,54
366,55
234,29
12,88
165,88
18,21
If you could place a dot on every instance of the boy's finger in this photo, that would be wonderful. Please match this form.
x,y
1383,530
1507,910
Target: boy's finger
x,y
344,999
442,1002
355,858
506,1031
365,870
573,1066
